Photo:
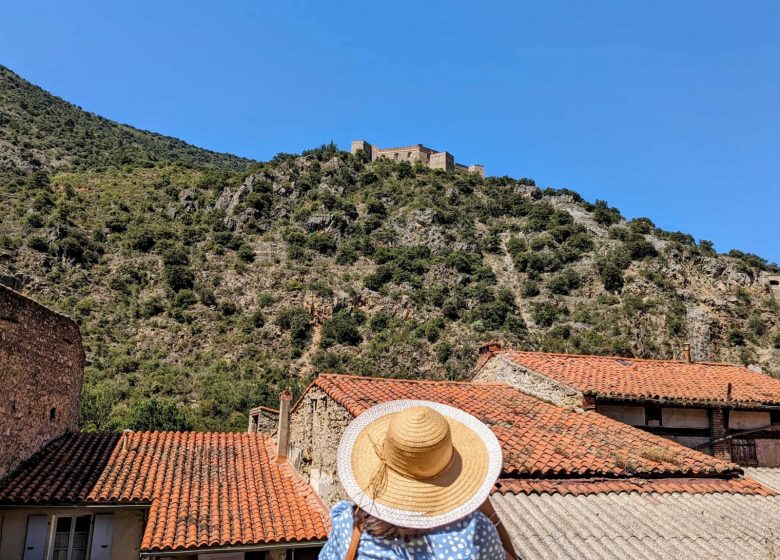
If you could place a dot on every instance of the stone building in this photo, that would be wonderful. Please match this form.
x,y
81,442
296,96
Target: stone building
x,y
427,156
158,495
41,373
721,409
263,419
540,440
772,283
121,496
574,483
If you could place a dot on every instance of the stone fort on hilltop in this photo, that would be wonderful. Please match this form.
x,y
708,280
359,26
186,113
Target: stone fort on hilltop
x,y
427,156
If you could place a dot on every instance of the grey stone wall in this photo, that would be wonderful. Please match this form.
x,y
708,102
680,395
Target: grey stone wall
x,y
316,426
503,370
41,373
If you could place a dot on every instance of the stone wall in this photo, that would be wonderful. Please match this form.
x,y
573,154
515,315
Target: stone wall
x,y
316,425
263,419
41,373
417,152
502,370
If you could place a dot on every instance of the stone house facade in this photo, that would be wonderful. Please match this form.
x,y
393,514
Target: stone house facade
x,y
721,409
41,374
417,152
316,424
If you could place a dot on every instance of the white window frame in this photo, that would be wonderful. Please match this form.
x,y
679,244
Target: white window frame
x,y
53,532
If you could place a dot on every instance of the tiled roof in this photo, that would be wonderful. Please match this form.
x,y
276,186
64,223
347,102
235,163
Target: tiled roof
x,y
587,487
63,472
539,440
203,489
633,526
665,380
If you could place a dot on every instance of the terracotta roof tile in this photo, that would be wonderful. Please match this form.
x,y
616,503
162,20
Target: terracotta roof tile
x,y
63,472
539,440
666,380
588,487
204,489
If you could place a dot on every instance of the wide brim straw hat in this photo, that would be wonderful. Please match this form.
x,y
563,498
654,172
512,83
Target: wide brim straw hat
x,y
418,464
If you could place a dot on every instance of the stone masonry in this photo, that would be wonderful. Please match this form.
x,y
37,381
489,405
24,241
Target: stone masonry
x,y
316,425
501,370
41,374
427,156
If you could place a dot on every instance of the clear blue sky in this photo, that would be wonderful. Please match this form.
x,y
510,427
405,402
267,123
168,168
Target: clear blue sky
x,y
669,110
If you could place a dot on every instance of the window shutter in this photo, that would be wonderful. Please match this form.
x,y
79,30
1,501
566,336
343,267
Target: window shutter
x,y
102,534
35,544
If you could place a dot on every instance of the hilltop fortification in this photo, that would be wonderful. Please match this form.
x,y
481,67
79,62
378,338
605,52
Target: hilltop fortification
x,y
427,156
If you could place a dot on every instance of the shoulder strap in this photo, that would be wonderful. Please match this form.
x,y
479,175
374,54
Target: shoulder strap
x,y
354,543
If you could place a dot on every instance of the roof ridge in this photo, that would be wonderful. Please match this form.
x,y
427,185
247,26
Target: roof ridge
x,y
616,357
413,381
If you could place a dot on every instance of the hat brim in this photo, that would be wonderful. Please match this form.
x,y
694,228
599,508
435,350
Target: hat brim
x,y
420,504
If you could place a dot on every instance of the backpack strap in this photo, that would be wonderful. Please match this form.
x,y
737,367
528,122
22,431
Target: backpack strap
x,y
354,543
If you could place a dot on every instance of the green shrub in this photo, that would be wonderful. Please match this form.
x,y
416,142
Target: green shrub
x,y
564,283
736,337
246,253
297,322
342,328
179,277
538,263
158,415
185,298
530,289
639,248
38,243
605,215
546,313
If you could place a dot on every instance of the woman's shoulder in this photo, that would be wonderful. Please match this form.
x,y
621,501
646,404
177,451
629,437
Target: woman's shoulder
x,y
341,514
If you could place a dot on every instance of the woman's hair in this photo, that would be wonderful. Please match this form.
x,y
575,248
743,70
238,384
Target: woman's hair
x,y
379,528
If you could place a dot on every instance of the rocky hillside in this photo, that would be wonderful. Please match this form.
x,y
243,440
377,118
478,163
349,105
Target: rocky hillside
x,y
41,131
209,289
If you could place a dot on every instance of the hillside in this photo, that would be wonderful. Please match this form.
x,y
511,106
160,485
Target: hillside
x,y
39,131
215,288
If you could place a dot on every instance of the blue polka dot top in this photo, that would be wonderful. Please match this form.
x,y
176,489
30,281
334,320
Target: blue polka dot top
x,y
472,537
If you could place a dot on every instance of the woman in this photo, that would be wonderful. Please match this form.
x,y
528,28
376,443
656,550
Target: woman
x,y
420,474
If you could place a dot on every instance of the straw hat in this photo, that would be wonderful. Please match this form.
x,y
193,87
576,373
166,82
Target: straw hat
x,y
418,464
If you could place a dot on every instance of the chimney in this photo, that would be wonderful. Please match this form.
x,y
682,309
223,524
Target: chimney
x,y
486,351
283,431
125,435
687,353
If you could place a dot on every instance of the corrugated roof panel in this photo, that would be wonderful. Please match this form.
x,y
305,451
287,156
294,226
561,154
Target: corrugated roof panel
x,y
642,526
765,475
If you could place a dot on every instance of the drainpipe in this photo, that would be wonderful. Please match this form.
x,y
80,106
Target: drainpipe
x,y
283,431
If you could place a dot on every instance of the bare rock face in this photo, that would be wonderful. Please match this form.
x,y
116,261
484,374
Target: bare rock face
x,y
238,221
230,198
318,223
700,332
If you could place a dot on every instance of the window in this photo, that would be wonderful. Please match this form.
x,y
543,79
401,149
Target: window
x,y
652,416
71,538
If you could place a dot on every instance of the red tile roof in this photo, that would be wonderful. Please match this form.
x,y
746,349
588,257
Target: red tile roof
x,y
587,487
539,440
665,380
203,489
63,472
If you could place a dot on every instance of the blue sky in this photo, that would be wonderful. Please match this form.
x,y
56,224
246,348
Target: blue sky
x,y
669,110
